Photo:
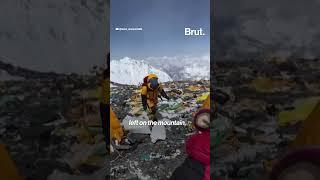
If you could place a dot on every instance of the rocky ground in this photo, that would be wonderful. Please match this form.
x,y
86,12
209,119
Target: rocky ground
x,y
158,160
260,108
50,122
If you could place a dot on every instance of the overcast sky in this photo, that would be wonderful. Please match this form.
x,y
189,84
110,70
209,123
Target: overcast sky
x,y
163,23
68,36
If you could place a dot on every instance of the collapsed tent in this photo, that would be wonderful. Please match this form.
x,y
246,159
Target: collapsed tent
x,y
309,134
116,131
7,166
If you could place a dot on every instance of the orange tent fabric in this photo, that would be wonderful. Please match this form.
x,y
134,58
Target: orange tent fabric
x,y
116,131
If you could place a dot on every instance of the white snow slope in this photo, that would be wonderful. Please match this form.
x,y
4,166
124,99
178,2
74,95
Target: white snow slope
x,y
196,72
131,72
183,68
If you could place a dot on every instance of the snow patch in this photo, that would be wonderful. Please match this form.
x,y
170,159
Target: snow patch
x,y
131,72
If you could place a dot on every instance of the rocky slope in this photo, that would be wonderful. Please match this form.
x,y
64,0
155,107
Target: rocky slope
x,y
43,119
261,107
158,160
50,122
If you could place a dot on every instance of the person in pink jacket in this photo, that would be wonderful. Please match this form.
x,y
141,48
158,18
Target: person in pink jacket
x,y
197,164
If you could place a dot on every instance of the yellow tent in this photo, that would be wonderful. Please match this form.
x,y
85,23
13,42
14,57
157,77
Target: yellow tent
x,y
8,171
309,133
206,103
116,131
302,109
203,97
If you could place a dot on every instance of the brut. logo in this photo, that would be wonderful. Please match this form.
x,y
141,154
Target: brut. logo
x,y
193,32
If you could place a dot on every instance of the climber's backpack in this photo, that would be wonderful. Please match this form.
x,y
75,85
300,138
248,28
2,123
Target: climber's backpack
x,y
145,81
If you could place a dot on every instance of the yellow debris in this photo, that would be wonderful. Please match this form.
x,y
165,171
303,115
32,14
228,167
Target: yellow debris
x,y
206,103
188,95
203,97
309,133
264,84
302,110
8,171
194,88
116,131
91,93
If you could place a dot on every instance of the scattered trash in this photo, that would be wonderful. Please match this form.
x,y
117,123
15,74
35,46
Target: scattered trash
x,y
140,124
194,88
158,133
162,147
133,167
99,175
243,132
145,157
203,97
79,154
263,84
